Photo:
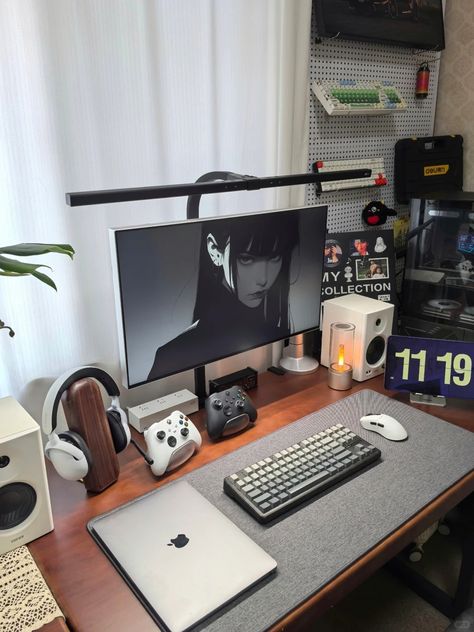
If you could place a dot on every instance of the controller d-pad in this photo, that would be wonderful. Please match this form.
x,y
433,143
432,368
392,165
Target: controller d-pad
x,y
161,434
172,442
228,410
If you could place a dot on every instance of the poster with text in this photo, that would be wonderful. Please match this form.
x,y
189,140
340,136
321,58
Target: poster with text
x,y
362,262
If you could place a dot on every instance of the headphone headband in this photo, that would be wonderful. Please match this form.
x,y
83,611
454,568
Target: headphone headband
x,y
63,382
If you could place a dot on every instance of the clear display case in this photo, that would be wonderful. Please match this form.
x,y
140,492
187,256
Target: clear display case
x,y
438,286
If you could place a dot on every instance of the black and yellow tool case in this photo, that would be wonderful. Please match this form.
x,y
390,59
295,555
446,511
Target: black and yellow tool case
x,y
432,163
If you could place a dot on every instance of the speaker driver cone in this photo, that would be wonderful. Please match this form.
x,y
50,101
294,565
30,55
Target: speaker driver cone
x,y
17,501
375,350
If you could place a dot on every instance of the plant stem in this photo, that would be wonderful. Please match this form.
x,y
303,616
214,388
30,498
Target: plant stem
x,y
11,333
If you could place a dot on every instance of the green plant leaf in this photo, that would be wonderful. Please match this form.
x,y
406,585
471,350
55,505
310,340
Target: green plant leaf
x,y
28,250
10,267
11,274
13,265
45,278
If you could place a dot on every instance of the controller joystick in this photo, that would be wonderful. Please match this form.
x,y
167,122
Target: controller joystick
x,y
228,412
171,442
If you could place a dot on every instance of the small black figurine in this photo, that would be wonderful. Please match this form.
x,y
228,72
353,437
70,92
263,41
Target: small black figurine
x,y
376,213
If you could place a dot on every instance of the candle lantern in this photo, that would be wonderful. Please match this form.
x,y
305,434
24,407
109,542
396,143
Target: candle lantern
x,y
341,352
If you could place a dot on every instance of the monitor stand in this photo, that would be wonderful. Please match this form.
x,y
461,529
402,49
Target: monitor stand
x,y
294,359
430,400
200,389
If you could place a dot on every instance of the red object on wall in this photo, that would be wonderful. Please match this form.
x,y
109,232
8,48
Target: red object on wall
x,y
422,81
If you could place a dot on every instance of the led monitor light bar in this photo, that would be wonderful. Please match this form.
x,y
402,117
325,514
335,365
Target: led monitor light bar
x,y
240,183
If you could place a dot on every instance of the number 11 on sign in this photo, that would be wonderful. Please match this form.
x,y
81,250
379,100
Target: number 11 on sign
x,y
406,355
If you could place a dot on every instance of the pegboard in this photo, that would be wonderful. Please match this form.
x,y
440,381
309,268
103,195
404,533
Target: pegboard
x,y
358,136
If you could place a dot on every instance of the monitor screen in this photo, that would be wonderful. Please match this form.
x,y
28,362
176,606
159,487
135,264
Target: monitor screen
x,y
190,293
412,23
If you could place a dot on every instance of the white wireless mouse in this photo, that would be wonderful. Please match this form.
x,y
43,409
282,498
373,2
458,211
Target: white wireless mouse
x,y
384,425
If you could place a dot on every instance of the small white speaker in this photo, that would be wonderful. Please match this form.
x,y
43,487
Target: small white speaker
x,y
25,508
373,322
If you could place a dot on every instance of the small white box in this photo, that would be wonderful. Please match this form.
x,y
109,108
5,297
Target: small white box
x,y
143,416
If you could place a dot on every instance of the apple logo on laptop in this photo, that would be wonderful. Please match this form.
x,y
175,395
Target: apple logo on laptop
x,y
180,541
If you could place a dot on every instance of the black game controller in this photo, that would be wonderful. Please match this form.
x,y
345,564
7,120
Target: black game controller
x,y
228,412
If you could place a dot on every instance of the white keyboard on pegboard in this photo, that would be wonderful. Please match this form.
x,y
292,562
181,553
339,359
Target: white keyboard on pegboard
x,y
377,178
348,96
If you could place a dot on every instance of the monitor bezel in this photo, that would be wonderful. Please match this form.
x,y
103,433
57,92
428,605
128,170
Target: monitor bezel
x,y
122,340
323,31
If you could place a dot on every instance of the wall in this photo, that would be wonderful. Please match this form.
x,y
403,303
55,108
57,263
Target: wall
x,y
359,137
454,111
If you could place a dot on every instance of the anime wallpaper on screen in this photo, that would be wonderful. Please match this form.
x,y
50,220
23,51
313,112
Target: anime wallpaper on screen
x,y
194,292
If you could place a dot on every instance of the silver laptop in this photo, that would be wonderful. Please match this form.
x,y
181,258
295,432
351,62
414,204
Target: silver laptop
x,y
180,555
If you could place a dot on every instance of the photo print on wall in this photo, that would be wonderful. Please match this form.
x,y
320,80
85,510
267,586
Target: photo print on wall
x,y
361,262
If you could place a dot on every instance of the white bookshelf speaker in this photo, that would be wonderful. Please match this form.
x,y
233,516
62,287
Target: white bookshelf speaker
x,y
373,322
25,508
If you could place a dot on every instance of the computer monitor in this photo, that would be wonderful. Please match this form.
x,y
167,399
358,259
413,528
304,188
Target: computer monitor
x,y
193,292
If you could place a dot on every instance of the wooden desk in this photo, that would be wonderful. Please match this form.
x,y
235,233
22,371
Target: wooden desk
x,y
91,593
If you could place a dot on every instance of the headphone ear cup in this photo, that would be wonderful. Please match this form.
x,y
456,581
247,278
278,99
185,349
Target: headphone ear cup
x,y
70,461
120,437
75,439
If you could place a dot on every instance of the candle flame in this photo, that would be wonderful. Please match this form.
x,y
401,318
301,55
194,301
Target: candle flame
x,y
340,359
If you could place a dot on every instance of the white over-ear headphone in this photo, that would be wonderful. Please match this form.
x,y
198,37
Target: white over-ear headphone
x,y
68,451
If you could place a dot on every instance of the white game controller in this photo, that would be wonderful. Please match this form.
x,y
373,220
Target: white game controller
x,y
171,442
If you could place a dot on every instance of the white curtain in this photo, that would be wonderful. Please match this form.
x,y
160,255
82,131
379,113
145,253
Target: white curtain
x,y
98,94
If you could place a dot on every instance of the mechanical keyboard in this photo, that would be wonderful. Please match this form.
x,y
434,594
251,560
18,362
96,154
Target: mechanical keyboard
x,y
377,178
276,484
348,96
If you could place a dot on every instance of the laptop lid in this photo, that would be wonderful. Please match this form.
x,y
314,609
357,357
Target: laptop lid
x,y
179,554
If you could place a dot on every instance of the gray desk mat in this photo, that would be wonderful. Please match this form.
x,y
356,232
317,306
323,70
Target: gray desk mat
x,y
321,538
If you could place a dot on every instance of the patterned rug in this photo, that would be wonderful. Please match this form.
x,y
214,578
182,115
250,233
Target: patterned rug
x,y
26,603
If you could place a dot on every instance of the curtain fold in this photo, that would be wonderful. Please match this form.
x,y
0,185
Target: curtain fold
x,y
115,94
